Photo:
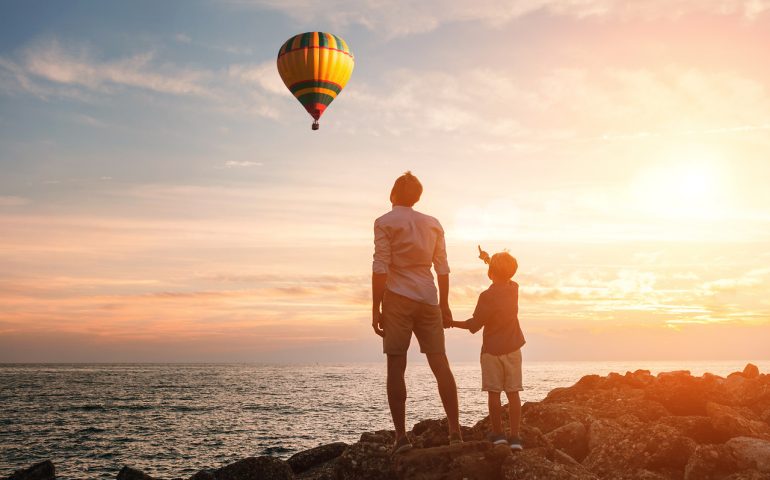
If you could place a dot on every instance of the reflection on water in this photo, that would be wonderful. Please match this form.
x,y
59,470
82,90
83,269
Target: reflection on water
x,y
173,420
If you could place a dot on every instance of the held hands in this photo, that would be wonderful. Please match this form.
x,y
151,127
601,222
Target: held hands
x,y
446,316
377,322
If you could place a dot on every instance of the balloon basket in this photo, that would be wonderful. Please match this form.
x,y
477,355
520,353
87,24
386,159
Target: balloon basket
x,y
315,126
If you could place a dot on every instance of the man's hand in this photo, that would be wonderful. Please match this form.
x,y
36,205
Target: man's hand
x,y
377,322
446,316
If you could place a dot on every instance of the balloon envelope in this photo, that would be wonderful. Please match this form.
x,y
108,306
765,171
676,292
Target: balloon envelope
x,y
315,66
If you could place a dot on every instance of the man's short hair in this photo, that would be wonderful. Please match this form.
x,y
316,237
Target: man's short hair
x,y
503,265
406,190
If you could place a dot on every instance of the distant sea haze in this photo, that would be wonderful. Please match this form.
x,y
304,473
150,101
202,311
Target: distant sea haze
x,y
173,420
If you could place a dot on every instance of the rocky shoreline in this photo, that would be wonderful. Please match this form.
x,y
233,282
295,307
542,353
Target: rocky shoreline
x,y
671,426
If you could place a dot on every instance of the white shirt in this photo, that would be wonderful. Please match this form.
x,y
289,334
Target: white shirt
x,y
406,244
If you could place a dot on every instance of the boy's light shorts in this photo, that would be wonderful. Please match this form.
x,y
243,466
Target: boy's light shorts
x,y
501,373
401,316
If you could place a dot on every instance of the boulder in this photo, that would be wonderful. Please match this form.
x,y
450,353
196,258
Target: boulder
x,y
128,473
748,475
452,462
657,448
698,428
39,471
709,462
550,416
251,468
299,462
731,422
751,453
365,460
751,371
680,393
571,438
531,464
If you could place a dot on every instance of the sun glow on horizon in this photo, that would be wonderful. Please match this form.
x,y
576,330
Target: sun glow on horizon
x,y
689,184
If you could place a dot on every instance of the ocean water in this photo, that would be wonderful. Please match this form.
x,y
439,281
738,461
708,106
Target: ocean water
x,y
173,420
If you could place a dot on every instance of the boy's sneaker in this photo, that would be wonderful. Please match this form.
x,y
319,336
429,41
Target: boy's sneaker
x,y
515,443
402,445
497,439
455,438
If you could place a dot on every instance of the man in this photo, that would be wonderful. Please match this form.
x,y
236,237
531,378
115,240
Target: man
x,y
406,244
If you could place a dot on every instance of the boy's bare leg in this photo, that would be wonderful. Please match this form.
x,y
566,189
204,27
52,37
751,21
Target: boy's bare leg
x,y
447,389
495,412
514,412
397,393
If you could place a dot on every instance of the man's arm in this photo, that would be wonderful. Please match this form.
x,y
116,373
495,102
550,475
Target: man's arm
x,y
380,266
441,266
378,290
443,299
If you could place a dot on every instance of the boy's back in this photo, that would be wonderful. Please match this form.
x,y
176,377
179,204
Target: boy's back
x,y
497,311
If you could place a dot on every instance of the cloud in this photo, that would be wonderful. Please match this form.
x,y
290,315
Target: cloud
x,y
405,17
264,75
242,164
50,69
13,201
52,62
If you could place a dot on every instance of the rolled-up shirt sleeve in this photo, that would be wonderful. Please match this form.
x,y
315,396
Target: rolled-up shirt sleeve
x,y
440,262
381,250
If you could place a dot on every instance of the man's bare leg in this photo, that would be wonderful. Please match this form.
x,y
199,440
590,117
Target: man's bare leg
x,y
495,412
397,393
514,412
447,389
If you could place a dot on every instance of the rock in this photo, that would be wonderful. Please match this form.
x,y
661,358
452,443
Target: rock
x,y
751,371
365,460
251,468
709,462
299,462
530,464
732,423
128,473
748,475
571,438
465,460
325,471
385,437
698,428
550,416
680,393
39,471
751,453
206,474
657,448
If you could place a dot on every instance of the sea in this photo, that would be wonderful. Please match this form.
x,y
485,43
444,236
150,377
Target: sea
x,y
171,420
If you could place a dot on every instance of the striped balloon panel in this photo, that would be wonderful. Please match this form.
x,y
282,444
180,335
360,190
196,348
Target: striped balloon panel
x,y
315,66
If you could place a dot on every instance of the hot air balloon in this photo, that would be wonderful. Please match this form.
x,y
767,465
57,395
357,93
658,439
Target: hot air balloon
x,y
315,66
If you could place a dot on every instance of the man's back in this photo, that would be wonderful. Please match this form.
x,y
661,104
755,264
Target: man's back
x,y
406,244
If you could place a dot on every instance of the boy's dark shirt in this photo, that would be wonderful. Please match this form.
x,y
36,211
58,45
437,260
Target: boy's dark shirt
x,y
498,312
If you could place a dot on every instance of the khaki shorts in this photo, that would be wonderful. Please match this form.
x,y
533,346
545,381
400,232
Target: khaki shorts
x,y
501,373
401,316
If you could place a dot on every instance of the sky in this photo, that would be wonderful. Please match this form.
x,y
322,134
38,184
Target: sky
x,y
163,198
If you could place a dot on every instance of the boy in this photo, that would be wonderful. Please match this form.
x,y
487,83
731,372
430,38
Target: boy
x,y
497,311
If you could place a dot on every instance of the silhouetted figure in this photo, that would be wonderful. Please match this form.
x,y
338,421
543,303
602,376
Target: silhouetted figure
x,y
497,311
406,244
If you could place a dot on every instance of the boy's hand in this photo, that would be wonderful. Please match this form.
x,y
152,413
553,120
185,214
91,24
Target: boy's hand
x,y
483,255
446,316
377,322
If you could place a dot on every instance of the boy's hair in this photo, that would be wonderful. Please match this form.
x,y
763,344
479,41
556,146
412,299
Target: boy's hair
x,y
406,190
503,265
